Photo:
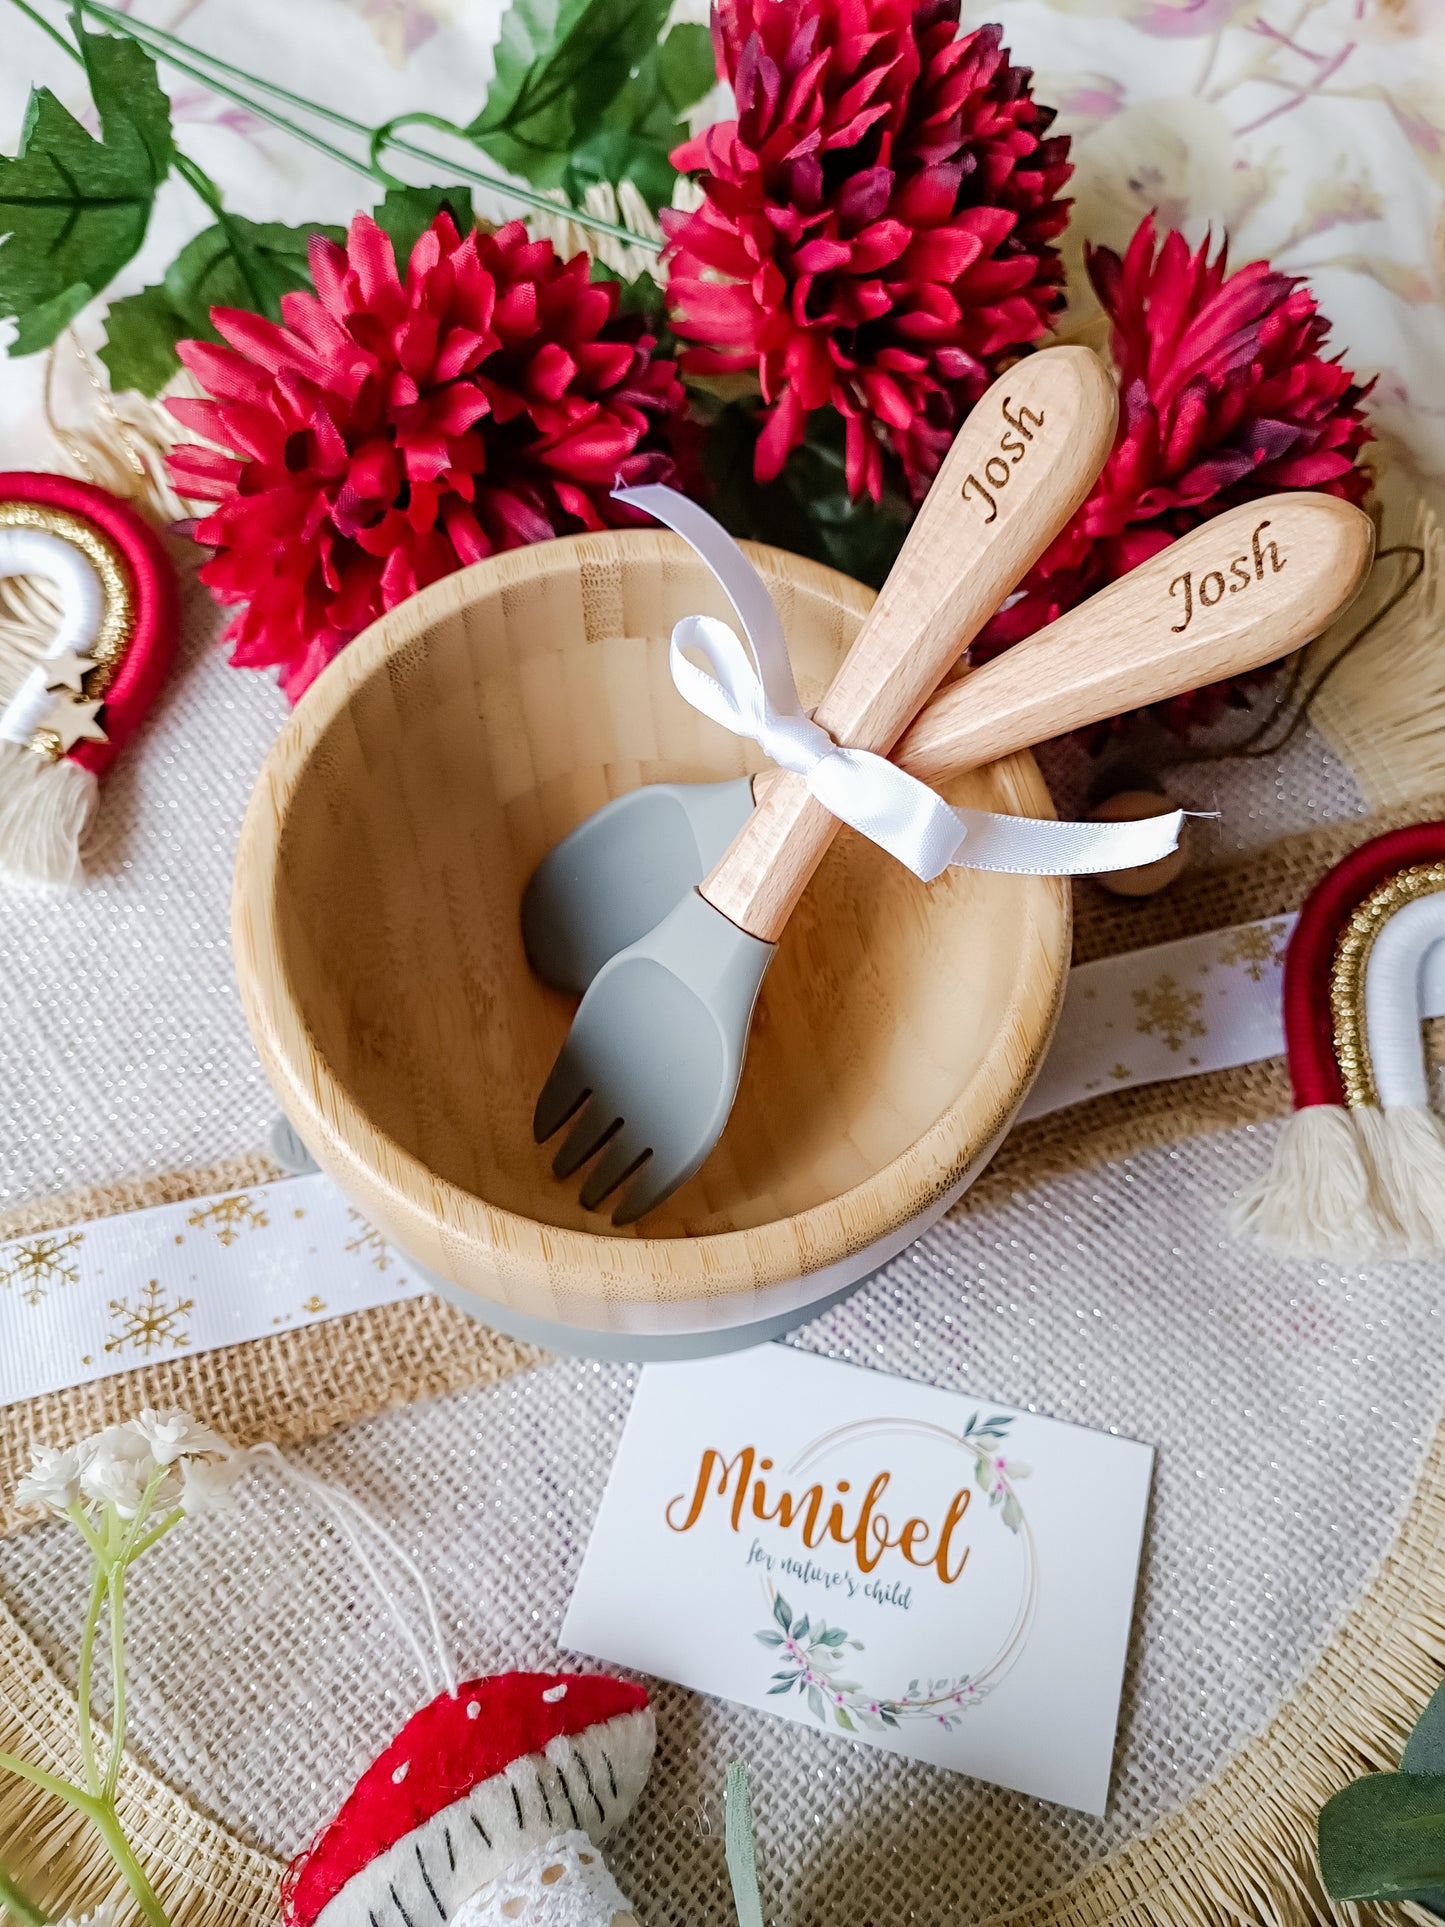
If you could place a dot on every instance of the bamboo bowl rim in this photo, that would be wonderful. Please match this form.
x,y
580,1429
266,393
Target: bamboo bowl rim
x,y
520,1251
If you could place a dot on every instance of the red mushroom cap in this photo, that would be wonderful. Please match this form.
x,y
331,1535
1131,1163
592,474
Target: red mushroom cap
x,y
441,1753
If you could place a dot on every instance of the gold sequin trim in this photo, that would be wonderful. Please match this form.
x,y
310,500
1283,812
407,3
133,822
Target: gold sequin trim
x,y
117,597
1347,974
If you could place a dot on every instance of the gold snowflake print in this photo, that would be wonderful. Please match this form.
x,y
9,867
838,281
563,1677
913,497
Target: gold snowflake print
x,y
150,1324
1258,950
368,1242
230,1217
314,1304
1170,1012
37,1266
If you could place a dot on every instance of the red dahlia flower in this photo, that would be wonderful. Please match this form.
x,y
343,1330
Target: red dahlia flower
x,y
393,430
876,226
1225,396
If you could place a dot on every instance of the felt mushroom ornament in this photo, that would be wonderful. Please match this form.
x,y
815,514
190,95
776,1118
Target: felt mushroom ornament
x,y
487,1810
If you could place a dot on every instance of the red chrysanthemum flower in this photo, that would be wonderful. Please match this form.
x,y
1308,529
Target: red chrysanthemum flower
x,y
876,227
393,429
1225,396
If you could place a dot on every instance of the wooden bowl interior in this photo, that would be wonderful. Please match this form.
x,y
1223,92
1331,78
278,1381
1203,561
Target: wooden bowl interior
x,y
472,746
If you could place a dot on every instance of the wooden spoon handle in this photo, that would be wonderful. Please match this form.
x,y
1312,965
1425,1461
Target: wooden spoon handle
x,y
1019,467
1244,589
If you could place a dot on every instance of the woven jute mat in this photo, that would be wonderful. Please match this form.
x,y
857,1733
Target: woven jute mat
x,y
1242,1850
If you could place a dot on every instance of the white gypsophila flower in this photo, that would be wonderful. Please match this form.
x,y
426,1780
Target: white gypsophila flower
x,y
53,1480
103,1916
116,1466
206,1487
176,1435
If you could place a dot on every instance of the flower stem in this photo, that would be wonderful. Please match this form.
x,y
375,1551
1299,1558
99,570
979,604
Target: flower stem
x,y
138,31
117,1668
182,55
110,1830
18,1904
384,136
45,27
73,1796
87,1663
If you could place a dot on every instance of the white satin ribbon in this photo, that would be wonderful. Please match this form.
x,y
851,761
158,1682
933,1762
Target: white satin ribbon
x,y
757,697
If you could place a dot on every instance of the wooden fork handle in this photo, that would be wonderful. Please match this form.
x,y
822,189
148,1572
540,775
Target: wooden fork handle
x,y
1020,465
1248,587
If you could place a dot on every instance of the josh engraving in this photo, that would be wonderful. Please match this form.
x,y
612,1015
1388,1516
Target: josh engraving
x,y
1014,444
1212,588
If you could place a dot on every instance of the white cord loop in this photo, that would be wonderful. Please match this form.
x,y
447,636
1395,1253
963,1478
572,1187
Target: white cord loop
x,y
754,695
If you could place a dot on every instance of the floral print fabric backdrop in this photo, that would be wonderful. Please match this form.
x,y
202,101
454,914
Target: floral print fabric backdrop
x,y
1313,131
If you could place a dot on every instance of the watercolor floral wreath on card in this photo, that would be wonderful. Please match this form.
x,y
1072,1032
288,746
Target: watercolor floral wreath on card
x,y
810,1652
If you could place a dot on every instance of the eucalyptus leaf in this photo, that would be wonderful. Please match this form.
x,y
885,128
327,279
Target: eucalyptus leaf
x,y
1425,1748
73,209
1383,1837
769,1638
815,1704
782,1614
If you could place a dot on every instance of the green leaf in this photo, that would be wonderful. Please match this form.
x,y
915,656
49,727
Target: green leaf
x,y
1383,1837
617,154
808,508
769,1638
74,210
815,1704
39,327
560,66
685,65
786,1687
407,213
1013,1515
235,264
781,1613
141,332
1425,1748
841,1716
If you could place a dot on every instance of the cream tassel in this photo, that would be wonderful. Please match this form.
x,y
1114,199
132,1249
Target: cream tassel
x,y
1319,1198
1406,1150
44,809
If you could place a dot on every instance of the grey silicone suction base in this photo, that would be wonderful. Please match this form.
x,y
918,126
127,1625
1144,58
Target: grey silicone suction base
x,y
628,1347
573,1340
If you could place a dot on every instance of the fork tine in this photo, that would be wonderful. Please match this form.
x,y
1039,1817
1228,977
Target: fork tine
x,y
565,1090
657,1179
593,1128
619,1159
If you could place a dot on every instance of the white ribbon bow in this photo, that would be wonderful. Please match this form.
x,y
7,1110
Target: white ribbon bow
x,y
756,696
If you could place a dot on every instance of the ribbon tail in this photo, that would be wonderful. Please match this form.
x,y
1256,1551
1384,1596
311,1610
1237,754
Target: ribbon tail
x,y
741,583
1027,846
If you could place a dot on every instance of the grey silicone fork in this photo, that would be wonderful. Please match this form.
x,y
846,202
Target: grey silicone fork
x,y
652,1062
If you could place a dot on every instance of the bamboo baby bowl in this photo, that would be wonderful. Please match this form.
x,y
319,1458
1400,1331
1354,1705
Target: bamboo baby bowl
x,y
375,923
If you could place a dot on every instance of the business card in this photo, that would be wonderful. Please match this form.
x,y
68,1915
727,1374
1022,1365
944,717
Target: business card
x,y
896,1565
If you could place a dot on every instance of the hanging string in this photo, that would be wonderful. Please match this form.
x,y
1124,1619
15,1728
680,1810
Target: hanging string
x,y
352,1520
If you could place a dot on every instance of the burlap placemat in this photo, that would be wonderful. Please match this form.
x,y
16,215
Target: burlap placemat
x,y
1241,1850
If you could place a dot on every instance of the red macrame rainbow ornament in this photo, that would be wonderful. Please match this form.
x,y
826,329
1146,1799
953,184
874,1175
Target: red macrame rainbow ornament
x,y
1359,1170
65,715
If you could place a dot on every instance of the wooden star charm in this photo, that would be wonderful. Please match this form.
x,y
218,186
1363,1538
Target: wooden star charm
x,y
74,722
67,670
